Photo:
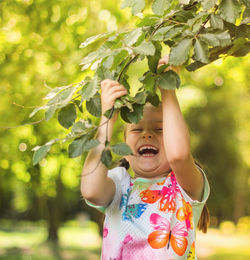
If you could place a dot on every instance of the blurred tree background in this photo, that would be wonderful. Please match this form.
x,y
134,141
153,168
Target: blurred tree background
x,y
39,50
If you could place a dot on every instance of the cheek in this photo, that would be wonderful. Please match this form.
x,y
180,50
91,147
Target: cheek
x,y
131,142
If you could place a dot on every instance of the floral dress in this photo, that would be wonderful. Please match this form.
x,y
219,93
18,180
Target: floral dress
x,y
150,219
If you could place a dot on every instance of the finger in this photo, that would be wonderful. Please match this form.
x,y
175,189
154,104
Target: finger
x,y
109,83
164,60
110,97
118,94
117,89
111,89
161,61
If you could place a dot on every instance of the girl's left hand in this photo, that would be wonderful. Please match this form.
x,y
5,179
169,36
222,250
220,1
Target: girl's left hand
x,y
164,61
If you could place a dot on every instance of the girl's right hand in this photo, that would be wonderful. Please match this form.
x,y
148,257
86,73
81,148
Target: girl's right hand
x,y
110,91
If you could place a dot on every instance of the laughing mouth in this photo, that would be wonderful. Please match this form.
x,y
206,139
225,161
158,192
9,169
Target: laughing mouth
x,y
148,150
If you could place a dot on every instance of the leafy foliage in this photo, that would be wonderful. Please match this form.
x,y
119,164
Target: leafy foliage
x,y
197,33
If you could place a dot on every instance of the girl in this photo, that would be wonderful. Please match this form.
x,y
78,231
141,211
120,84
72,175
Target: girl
x,y
154,214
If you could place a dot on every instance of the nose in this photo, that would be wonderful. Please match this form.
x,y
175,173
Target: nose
x,y
146,135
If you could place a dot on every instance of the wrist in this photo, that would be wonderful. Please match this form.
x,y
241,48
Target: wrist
x,y
167,92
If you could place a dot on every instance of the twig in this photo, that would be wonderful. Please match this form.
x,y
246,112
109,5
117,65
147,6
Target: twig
x,y
16,126
205,22
123,69
107,126
18,105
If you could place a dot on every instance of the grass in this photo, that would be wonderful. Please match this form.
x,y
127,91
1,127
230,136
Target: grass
x,y
26,241
220,245
80,240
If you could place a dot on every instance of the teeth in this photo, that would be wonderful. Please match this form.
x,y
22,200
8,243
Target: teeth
x,y
148,147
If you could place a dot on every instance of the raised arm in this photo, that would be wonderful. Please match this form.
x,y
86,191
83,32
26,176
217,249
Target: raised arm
x,y
96,187
177,144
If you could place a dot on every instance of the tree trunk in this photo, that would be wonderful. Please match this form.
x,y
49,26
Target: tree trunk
x,y
54,206
241,188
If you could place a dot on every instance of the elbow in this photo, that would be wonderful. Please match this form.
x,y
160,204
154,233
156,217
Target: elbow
x,y
88,194
93,196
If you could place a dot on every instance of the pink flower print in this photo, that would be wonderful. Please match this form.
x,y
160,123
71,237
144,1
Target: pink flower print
x,y
105,232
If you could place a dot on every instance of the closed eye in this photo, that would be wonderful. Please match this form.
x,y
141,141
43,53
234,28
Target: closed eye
x,y
158,129
136,130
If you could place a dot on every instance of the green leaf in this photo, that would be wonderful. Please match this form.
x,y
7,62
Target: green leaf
x,y
172,33
194,66
89,89
183,15
94,106
201,51
162,68
145,48
87,60
62,98
108,62
81,145
153,60
54,92
229,10
78,104
159,6
36,110
160,33
50,112
179,53
167,33
217,39
169,80
79,127
106,158
216,21
140,97
104,51
242,51
196,22
118,58
208,4
121,149
148,20
94,38
67,116
103,73
243,31
133,36
237,44
40,153
132,116
118,104
246,14
109,113
153,99
149,82
136,5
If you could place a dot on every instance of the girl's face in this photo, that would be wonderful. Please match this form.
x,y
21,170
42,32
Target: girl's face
x,y
146,141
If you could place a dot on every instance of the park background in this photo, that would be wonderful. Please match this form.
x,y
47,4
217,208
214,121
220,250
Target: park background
x,y
42,214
